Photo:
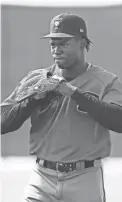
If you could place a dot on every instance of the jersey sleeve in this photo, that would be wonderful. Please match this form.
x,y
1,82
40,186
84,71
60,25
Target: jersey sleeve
x,y
114,93
14,114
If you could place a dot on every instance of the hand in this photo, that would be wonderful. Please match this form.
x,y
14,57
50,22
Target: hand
x,y
66,89
47,85
37,87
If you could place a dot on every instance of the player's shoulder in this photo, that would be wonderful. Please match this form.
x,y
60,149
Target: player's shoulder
x,y
103,75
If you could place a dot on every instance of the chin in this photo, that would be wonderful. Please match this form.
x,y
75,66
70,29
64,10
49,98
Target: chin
x,y
61,65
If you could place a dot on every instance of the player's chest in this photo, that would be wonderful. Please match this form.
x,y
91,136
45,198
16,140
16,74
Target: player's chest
x,y
89,84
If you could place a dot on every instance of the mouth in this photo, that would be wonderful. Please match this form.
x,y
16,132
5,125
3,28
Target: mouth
x,y
60,61
58,58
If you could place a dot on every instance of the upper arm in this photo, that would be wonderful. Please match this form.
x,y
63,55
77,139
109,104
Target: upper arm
x,y
114,93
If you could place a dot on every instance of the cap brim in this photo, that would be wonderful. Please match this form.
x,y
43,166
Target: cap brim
x,y
58,35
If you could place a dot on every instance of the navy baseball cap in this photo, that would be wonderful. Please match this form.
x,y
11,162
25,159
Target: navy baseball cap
x,y
67,25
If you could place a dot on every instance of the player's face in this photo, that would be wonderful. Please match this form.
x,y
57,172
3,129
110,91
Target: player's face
x,y
66,52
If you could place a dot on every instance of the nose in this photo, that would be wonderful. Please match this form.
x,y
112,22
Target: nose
x,y
57,50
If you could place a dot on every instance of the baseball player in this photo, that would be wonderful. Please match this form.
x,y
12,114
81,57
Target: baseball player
x,y
72,105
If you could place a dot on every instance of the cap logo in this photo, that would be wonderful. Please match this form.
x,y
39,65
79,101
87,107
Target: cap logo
x,y
57,23
81,30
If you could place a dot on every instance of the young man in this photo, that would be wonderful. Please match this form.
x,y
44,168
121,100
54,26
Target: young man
x,y
70,135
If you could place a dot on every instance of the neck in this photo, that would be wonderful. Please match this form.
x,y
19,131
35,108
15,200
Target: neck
x,y
74,71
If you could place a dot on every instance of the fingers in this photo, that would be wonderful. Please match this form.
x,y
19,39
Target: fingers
x,y
66,89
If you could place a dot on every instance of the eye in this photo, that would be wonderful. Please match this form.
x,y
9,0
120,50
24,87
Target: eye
x,y
52,45
64,44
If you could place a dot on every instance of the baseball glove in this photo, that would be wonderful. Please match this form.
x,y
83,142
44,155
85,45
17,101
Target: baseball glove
x,y
36,85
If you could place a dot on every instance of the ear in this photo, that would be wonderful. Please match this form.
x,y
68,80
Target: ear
x,y
83,43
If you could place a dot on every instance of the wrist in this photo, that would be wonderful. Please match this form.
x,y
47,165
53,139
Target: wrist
x,y
66,89
72,89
